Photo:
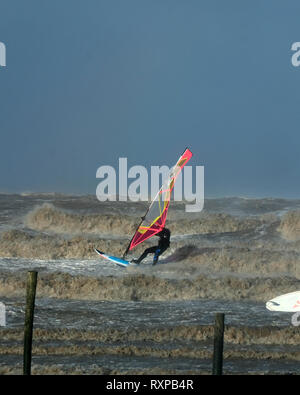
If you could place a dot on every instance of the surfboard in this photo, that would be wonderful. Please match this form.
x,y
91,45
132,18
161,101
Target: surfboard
x,y
289,303
114,259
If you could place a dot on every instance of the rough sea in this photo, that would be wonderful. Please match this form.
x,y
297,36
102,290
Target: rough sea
x,y
93,317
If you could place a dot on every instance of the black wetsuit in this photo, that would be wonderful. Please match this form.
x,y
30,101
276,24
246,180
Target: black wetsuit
x,y
163,245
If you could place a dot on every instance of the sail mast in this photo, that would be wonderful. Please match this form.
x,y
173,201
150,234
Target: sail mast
x,y
140,223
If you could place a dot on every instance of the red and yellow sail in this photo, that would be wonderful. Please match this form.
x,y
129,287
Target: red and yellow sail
x,y
155,218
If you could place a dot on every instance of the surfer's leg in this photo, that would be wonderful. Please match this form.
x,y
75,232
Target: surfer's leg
x,y
156,255
158,252
150,250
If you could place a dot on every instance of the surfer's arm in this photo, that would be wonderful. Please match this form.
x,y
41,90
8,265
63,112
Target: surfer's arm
x,y
161,233
167,233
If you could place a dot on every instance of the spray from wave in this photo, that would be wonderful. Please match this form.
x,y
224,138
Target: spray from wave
x,y
49,218
290,226
141,287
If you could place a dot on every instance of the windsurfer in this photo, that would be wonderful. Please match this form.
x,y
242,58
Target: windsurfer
x,y
163,244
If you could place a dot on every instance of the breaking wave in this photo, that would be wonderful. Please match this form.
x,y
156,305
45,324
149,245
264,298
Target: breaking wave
x,y
244,256
49,218
246,335
141,287
290,225
83,352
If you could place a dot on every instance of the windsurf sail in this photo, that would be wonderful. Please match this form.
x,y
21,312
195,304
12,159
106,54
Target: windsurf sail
x,y
155,218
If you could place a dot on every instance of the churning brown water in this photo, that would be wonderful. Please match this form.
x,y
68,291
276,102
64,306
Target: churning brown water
x,y
95,317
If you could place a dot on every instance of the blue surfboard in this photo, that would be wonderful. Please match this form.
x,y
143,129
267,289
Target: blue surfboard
x,y
114,259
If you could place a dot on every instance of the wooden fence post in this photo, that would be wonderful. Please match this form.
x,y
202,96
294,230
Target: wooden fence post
x,y
217,368
29,314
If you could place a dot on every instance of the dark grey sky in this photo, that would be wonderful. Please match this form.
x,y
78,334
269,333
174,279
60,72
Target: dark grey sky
x,y
90,81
